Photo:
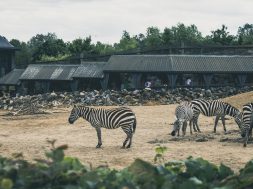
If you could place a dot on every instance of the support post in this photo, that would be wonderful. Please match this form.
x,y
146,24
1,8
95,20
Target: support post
x,y
241,79
74,85
137,80
104,81
172,80
208,78
46,86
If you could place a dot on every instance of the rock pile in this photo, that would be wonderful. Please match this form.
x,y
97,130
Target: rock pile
x,y
111,97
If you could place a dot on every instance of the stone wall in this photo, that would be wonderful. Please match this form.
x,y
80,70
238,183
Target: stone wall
x,y
124,97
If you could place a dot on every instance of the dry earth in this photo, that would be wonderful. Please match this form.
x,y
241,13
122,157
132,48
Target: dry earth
x,y
29,134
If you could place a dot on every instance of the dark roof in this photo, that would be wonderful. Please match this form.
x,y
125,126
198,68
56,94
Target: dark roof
x,y
12,78
49,72
179,63
90,70
4,44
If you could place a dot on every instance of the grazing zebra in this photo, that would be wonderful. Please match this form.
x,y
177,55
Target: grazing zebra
x,y
184,113
110,119
215,108
246,129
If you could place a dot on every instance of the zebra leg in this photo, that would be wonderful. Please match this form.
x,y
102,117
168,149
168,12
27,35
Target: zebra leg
x,y
128,130
215,123
98,129
223,123
124,143
195,122
190,126
130,140
184,128
246,139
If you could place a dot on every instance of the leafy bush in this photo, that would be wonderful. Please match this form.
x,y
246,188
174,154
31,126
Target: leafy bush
x,y
61,172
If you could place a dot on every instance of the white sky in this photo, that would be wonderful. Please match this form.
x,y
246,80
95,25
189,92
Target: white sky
x,y
105,20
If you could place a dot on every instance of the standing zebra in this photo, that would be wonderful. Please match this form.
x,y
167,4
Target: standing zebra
x,y
246,129
110,119
215,108
184,113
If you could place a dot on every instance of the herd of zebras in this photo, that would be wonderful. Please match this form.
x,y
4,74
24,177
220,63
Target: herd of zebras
x,y
187,111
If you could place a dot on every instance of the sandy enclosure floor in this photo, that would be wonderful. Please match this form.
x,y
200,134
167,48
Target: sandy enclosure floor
x,y
29,134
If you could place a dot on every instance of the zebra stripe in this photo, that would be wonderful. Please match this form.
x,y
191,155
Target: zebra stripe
x,y
246,129
184,113
215,108
110,119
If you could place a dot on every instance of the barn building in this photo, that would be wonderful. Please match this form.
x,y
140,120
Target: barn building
x,y
89,76
7,55
41,78
132,71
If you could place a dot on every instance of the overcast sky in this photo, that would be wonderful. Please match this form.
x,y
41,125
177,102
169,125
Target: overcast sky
x,y
105,20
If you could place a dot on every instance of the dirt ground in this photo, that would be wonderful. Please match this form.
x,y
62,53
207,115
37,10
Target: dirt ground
x,y
29,134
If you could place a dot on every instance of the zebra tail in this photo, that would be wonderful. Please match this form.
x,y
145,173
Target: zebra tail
x,y
134,125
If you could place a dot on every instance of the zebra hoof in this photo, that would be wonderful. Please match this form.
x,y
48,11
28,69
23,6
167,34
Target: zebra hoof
x,y
244,145
99,146
128,146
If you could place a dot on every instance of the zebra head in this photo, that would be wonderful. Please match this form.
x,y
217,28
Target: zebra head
x,y
176,126
74,115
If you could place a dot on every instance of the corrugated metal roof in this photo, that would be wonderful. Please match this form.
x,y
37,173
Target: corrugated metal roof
x,y
179,63
4,44
90,70
139,63
49,72
12,78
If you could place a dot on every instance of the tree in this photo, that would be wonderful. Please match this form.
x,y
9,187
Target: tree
x,y
126,42
23,55
80,45
245,35
186,35
46,45
101,48
221,36
153,37
168,37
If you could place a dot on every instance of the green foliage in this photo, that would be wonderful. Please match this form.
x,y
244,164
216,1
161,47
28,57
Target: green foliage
x,y
61,172
159,157
245,35
221,36
49,47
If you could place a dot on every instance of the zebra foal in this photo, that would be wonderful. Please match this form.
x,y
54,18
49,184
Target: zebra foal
x,y
246,129
215,108
110,119
183,114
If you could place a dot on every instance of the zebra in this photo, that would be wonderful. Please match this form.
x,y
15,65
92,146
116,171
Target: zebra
x,y
246,129
184,113
216,108
110,119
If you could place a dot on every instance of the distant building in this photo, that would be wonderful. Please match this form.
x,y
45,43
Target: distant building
x,y
174,70
128,72
7,55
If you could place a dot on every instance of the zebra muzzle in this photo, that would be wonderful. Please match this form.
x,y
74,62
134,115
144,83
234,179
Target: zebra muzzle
x,y
70,121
